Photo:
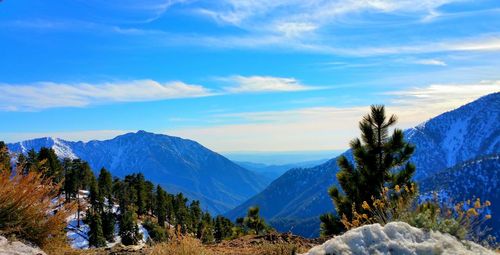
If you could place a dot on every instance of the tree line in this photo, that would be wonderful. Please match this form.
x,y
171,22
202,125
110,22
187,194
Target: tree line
x,y
112,201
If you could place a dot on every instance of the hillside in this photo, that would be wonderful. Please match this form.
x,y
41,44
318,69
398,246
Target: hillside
x,y
300,195
180,165
272,172
478,178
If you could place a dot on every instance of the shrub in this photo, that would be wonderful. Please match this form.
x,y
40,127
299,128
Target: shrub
x,y
183,246
157,233
464,220
31,208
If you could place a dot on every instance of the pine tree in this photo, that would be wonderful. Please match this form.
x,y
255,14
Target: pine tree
x,y
95,198
206,229
196,216
129,231
51,163
254,222
381,160
108,225
96,235
21,163
161,209
4,157
223,228
105,184
150,197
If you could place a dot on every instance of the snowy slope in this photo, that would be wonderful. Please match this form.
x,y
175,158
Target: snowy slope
x,y
178,164
477,178
299,196
396,238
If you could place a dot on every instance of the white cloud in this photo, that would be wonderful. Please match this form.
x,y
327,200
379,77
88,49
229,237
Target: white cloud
x,y
83,135
443,96
432,62
251,84
44,95
329,128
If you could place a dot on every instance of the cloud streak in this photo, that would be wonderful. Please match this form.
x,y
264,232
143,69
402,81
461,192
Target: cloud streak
x,y
45,95
255,84
329,128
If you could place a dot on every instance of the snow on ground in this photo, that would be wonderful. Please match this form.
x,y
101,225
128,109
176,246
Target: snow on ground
x,y
17,248
78,236
396,238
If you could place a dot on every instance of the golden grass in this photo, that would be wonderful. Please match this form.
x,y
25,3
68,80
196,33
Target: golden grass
x,y
31,210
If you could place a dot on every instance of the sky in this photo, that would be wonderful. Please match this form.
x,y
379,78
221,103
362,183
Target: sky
x,y
239,75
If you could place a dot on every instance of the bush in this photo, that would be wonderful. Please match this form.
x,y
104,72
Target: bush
x,y
31,208
464,220
184,246
156,233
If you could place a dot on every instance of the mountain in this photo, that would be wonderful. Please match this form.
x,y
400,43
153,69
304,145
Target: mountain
x,y
300,195
180,165
477,178
272,172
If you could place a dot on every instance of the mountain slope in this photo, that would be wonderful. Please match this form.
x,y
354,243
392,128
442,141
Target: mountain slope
x,y
178,164
478,178
274,171
462,134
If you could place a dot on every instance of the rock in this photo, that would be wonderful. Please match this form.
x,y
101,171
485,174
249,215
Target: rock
x,y
17,248
396,238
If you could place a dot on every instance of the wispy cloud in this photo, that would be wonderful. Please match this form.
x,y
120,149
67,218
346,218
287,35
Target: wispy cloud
x,y
442,96
44,95
253,84
432,62
80,135
328,128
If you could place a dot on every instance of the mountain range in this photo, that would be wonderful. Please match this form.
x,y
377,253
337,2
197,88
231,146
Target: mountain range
x,y
274,171
295,200
180,165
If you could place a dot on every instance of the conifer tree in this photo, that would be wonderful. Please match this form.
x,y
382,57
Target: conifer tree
x,y
161,209
21,162
51,163
129,231
254,222
196,216
4,157
150,197
206,229
96,235
222,228
381,160
108,225
105,184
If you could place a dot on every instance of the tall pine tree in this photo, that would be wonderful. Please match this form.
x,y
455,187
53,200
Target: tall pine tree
x,y
381,160
161,209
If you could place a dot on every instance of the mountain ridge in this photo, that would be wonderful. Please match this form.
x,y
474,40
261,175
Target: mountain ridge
x,y
310,197
181,165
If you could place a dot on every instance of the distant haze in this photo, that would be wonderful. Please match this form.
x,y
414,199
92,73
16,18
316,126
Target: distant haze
x,y
281,158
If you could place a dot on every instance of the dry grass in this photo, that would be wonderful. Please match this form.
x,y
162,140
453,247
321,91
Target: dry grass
x,y
183,246
31,210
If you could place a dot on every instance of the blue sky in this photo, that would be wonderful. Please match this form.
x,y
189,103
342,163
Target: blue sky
x,y
239,75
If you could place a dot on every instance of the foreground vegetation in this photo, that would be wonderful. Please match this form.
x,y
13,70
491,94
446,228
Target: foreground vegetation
x,y
375,186
378,188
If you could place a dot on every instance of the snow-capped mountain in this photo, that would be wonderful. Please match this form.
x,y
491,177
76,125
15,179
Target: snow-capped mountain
x,y
180,165
300,195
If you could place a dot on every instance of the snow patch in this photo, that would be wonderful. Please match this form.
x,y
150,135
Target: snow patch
x,y
396,238
17,248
